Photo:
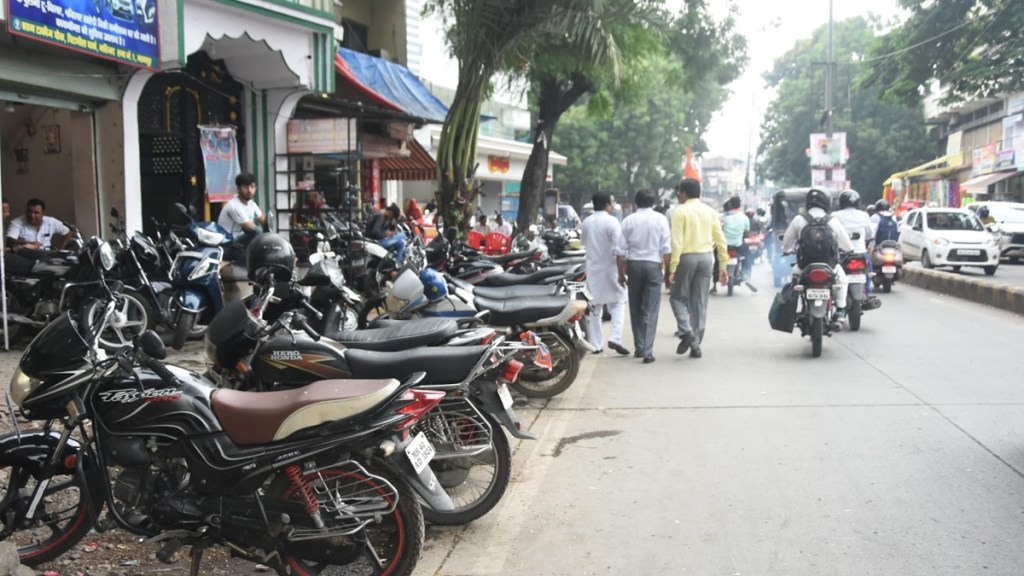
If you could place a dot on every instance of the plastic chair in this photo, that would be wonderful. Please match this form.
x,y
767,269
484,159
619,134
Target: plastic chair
x,y
497,244
475,239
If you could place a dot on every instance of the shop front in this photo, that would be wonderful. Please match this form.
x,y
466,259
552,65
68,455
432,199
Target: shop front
x,y
935,182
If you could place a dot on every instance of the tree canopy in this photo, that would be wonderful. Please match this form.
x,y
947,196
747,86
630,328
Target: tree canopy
x,y
974,48
882,137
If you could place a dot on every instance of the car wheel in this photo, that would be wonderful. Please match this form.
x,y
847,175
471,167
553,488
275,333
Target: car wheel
x,y
956,268
926,261
1014,259
990,270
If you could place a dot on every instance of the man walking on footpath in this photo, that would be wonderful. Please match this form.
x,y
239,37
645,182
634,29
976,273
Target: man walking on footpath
x,y
602,236
696,231
648,247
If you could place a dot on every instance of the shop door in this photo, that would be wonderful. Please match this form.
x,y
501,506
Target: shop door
x,y
171,108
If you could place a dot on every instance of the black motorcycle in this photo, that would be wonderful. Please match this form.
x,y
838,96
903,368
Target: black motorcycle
x,y
327,474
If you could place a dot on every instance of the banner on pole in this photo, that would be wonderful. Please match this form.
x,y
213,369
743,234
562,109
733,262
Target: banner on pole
x,y
220,159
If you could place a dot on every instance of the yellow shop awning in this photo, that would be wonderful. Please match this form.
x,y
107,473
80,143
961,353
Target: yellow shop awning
x,y
938,167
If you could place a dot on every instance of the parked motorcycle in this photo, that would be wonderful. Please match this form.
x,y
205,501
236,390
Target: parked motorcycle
x,y
473,460
887,261
327,474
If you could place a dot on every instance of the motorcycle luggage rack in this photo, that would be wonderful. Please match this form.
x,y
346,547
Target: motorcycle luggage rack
x,y
456,429
349,499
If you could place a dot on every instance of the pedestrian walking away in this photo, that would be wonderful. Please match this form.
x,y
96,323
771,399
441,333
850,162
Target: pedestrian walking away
x,y
648,248
602,236
696,231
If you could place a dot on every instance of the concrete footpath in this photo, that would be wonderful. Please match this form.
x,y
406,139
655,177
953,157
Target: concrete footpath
x,y
995,294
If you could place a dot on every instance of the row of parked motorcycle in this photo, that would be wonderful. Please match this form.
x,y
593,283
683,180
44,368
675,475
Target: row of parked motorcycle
x,y
308,442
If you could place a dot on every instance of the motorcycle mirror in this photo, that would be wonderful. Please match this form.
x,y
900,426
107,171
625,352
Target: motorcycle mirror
x,y
113,212
152,345
271,220
181,208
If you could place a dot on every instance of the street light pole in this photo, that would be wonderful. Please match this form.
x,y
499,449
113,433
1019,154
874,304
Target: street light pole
x,y
828,90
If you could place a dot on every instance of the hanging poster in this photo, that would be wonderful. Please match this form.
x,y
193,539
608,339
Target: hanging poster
x,y
220,160
828,152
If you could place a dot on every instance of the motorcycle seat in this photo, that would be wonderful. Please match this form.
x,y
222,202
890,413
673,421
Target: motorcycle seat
x,y
516,291
264,417
398,334
443,365
502,259
538,277
573,254
527,310
569,261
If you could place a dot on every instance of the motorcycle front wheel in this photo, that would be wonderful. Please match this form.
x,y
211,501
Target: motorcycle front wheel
x,y
539,382
62,517
183,328
131,317
395,538
474,482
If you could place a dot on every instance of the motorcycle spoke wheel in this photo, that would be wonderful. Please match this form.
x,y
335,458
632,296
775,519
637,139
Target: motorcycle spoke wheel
x,y
61,517
537,382
130,318
389,546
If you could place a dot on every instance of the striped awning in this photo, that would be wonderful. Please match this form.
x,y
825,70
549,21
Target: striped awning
x,y
418,165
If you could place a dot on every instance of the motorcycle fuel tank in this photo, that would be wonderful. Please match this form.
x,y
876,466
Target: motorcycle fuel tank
x,y
295,359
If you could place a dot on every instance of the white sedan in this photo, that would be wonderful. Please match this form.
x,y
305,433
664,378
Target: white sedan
x,y
948,237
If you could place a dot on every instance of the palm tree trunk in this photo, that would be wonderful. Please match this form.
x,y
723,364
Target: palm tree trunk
x,y
457,151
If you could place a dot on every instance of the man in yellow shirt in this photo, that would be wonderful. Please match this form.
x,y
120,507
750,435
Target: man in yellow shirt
x,y
696,232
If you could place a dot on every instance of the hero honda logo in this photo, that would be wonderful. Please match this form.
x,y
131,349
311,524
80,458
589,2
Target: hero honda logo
x,y
127,396
286,355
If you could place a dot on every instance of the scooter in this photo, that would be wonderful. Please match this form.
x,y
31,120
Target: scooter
x,y
887,259
855,265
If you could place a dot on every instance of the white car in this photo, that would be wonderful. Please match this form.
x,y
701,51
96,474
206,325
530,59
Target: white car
x,y
1008,226
948,237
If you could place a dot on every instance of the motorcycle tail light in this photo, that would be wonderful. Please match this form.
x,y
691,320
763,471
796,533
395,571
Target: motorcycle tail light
x,y
538,256
856,265
488,338
732,252
819,276
890,257
420,402
510,371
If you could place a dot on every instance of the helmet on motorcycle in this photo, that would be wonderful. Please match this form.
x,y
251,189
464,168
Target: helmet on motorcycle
x,y
270,253
434,286
818,199
983,212
882,205
849,199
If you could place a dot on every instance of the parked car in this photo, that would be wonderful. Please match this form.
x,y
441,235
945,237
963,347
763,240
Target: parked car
x,y
948,237
1008,227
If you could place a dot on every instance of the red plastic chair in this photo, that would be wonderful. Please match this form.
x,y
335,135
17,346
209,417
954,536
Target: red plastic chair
x,y
497,244
475,239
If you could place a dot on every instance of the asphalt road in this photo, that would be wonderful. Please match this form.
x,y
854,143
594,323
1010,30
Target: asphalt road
x,y
1008,273
899,451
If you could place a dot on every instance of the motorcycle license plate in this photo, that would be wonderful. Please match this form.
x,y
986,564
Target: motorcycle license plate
x,y
888,269
733,261
419,451
818,293
970,252
857,278
506,397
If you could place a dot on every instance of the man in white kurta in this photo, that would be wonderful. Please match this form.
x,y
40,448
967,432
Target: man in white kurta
x,y
602,237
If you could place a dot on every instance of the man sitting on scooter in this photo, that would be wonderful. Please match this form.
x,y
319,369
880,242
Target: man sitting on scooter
x,y
242,217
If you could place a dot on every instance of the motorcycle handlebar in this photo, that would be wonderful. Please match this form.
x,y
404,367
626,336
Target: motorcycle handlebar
x,y
305,327
158,368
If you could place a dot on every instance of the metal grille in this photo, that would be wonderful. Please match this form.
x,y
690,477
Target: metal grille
x,y
456,429
956,256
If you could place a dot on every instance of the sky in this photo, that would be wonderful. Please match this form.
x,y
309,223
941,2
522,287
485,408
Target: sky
x,y
771,28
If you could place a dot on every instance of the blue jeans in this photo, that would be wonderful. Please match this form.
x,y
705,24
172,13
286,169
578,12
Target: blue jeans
x,y
396,242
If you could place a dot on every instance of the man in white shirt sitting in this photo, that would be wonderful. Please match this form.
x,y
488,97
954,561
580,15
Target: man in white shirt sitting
x,y
500,225
35,231
242,217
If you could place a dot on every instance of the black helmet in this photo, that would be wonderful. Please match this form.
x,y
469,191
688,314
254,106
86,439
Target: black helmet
x,y
849,199
271,253
882,205
818,199
983,212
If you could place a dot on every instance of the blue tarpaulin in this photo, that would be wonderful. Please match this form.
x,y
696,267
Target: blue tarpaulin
x,y
390,85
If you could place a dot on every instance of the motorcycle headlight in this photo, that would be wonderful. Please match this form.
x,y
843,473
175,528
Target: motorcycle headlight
x,y
21,386
395,304
107,257
209,238
940,242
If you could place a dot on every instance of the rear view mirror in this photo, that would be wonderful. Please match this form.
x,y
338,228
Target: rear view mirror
x,y
271,220
113,212
152,345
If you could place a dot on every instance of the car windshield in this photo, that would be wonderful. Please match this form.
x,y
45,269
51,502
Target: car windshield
x,y
953,221
1008,214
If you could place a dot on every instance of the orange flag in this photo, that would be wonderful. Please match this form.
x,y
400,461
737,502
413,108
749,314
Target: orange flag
x,y
690,171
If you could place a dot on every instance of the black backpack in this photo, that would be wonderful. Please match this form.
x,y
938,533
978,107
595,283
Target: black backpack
x,y
817,244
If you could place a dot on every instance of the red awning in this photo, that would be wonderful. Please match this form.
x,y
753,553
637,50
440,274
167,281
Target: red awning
x,y
418,165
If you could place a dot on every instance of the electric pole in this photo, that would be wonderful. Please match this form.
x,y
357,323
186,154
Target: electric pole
x,y
829,64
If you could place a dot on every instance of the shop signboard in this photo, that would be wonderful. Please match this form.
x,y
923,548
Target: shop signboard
x,y
121,30
983,159
1004,159
321,135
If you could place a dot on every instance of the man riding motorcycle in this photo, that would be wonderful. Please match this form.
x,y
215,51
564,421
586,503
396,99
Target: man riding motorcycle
x,y
858,223
817,206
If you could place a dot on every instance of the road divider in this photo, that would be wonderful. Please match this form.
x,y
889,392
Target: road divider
x,y
987,292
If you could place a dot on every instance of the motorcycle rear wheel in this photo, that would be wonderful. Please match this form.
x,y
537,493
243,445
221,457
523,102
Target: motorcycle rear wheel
x,y
62,517
397,538
886,285
537,382
136,316
817,329
474,483
853,313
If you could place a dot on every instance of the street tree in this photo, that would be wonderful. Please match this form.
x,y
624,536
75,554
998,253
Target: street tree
x,y
973,48
882,137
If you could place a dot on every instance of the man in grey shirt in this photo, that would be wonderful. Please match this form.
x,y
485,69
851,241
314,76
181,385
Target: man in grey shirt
x,y
648,248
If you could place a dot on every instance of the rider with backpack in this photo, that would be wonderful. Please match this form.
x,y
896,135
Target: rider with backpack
x,y
817,237
884,223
